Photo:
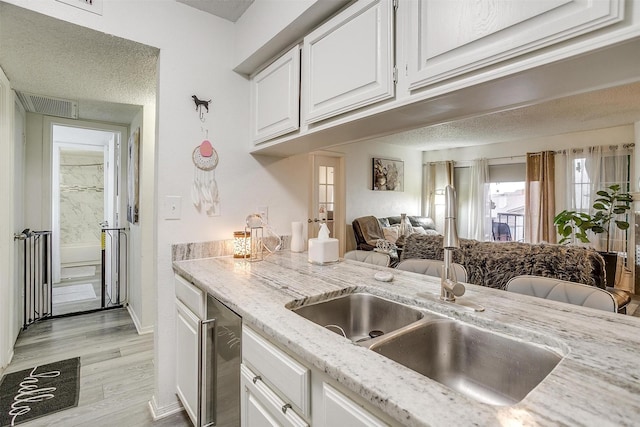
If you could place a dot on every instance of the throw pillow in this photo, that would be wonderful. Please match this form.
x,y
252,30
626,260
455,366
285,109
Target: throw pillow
x,y
419,230
391,233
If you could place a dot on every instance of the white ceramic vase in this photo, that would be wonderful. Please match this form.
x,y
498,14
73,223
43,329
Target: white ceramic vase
x,y
297,239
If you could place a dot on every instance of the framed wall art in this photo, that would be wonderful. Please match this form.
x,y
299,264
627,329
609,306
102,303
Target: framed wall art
x,y
388,175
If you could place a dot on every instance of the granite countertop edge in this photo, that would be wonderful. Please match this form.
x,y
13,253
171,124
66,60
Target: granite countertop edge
x,y
597,382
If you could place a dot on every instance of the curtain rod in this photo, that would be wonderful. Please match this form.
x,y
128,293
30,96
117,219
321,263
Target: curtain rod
x,y
610,147
441,162
493,161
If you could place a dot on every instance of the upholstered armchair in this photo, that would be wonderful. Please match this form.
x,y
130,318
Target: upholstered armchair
x,y
367,231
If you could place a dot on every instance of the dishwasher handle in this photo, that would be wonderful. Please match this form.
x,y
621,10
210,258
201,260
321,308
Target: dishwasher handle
x,y
203,332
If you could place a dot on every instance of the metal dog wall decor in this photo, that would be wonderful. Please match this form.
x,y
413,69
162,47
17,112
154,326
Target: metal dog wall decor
x,y
199,104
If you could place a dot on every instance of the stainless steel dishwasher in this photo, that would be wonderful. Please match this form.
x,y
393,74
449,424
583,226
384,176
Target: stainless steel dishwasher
x,y
219,361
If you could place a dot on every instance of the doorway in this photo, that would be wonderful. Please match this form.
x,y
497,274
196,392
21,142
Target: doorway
x,y
85,202
326,204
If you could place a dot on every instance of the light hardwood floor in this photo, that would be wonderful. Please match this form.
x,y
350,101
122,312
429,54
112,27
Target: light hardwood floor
x,y
116,374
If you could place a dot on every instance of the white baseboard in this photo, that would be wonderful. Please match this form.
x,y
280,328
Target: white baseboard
x,y
159,413
136,321
5,363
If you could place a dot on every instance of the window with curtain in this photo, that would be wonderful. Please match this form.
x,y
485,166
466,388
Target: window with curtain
x,y
589,170
491,200
539,205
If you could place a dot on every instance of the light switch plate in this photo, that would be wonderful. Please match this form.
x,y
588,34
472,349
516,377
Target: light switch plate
x,y
172,207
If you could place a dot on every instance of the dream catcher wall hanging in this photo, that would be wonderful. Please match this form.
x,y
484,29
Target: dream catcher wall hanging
x,y
204,191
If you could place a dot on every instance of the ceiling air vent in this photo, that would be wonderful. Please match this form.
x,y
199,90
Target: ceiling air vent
x,y
48,105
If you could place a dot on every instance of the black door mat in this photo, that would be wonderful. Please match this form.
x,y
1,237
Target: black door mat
x,y
39,391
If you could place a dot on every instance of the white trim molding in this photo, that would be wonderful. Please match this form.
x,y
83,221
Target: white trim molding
x,y
158,413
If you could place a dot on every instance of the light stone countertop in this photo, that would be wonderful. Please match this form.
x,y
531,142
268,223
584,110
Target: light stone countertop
x,y
596,384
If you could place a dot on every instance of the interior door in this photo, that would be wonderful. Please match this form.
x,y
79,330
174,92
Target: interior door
x,y
327,197
7,226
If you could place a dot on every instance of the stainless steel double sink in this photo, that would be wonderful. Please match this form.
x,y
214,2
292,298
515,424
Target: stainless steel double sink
x,y
487,366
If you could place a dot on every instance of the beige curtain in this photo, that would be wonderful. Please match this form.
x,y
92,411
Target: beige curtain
x,y
429,190
479,201
435,177
540,198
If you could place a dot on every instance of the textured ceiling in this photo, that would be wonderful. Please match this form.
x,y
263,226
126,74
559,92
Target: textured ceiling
x,y
109,76
230,10
594,110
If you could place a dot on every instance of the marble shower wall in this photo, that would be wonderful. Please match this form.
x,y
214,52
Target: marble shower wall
x,y
81,197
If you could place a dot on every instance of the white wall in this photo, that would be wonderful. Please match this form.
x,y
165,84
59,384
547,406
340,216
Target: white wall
x,y
196,57
361,200
263,21
37,210
142,292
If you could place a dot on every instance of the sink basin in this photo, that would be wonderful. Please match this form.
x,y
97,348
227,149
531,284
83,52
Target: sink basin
x,y
481,364
360,316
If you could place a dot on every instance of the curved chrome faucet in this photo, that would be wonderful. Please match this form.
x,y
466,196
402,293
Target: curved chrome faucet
x,y
449,286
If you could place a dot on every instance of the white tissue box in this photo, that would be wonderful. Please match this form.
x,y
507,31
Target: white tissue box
x,y
322,251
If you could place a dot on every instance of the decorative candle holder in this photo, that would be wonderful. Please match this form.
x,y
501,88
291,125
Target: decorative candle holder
x,y
256,236
241,244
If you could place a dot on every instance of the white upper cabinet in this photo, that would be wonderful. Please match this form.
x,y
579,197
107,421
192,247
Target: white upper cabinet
x,y
348,61
275,98
452,37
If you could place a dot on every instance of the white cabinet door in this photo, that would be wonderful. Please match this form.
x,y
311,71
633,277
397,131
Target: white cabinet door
x,y
348,61
277,368
275,98
452,37
339,410
261,407
187,359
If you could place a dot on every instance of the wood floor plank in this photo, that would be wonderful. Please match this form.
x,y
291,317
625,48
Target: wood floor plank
x,y
116,373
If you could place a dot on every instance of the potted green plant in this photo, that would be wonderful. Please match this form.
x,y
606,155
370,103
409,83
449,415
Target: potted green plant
x,y
611,203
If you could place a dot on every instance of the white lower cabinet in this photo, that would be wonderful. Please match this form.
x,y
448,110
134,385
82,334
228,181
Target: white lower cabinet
x,y
277,390
187,336
187,358
339,410
260,406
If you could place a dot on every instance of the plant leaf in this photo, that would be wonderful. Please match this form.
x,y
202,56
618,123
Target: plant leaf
x,y
622,225
583,238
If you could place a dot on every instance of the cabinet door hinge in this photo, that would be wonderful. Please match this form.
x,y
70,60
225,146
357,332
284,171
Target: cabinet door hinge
x,y
395,74
395,4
